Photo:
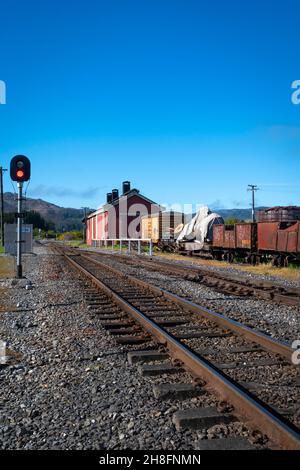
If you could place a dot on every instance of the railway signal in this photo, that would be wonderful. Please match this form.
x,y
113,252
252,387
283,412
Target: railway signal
x,y
20,169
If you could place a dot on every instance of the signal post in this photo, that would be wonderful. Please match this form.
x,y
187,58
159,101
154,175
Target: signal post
x,y
20,172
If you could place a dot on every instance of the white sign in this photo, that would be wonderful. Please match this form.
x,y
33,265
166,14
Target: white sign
x,y
25,229
2,92
3,357
296,94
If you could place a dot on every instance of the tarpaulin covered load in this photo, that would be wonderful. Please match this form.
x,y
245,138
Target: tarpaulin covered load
x,y
200,229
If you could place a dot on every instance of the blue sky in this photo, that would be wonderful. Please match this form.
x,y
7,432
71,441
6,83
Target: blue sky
x,y
190,100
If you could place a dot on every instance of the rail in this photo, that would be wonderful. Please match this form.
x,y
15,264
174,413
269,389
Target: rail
x,y
247,405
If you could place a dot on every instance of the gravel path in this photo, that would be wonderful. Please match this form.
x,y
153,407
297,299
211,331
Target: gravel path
x,y
69,386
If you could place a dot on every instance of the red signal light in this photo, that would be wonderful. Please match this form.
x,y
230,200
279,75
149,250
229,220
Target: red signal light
x,y
20,169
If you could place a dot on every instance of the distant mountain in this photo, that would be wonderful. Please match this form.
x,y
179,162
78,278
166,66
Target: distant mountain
x,y
62,217
71,219
241,214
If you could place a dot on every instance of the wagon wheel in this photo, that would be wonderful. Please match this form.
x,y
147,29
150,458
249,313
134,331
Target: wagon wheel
x,y
248,259
280,261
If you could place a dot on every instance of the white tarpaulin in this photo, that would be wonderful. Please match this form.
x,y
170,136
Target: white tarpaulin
x,y
199,229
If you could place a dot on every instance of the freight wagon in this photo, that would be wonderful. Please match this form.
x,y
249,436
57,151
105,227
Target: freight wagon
x,y
234,240
275,237
255,242
280,241
161,228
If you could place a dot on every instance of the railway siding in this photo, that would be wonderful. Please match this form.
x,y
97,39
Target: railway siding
x,y
281,322
130,293
69,384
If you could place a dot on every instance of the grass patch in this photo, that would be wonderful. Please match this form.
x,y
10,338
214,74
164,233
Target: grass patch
x,y
76,243
1,249
292,273
7,267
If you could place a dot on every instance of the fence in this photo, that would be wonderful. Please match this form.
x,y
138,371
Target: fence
x,y
130,243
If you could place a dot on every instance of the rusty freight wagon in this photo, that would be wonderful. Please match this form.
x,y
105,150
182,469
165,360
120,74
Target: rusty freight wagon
x,y
280,240
254,242
234,240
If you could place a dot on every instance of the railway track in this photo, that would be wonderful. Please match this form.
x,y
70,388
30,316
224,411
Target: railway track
x,y
251,373
227,284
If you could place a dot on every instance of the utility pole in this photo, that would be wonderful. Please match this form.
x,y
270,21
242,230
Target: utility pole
x,y
253,188
2,170
84,224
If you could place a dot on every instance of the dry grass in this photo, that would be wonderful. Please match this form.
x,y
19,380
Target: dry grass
x,y
291,273
6,267
7,270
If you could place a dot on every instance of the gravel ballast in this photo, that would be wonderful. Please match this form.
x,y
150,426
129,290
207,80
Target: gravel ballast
x,y
279,321
68,385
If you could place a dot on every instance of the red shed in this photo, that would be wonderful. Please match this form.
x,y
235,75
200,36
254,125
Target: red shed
x,y
120,217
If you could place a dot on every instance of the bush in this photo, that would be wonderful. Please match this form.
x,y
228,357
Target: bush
x,y
67,236
232,221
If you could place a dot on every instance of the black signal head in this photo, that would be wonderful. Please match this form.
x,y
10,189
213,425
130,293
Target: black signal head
x,y
20,168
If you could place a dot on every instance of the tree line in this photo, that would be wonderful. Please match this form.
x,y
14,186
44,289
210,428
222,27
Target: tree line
x,y
31,217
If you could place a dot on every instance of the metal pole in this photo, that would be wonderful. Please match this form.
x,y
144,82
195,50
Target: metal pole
x,y
2,205
150,248
139,247
253,188
121,246
19,232
84,225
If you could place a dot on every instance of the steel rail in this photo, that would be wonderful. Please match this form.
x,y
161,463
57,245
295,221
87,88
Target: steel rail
x,y
284,434
270,344
260,289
